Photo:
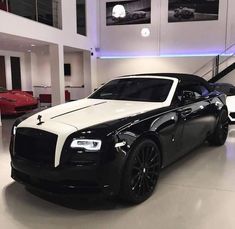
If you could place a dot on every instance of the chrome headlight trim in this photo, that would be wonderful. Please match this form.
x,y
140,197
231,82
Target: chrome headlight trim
x,y
89,145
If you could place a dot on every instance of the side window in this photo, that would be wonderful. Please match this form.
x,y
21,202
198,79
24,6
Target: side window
x,y
190,93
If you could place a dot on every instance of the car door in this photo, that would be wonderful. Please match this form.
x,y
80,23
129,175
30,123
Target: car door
x,y
198,117
169,129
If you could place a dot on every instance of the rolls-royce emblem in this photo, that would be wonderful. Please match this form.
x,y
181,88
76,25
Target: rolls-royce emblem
x,y
39,120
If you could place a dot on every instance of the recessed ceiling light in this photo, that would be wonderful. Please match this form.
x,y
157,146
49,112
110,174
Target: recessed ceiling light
x,y
145,32
33,45
29,50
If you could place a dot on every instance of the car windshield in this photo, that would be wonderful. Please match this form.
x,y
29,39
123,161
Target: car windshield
x,y
135,89
2,89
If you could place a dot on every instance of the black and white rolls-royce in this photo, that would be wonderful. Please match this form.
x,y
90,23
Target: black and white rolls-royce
x,y
117,140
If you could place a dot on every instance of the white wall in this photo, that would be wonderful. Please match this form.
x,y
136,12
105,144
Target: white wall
x,y
168,38
35,71
43,70
127,40
42,74
193,37
111,68
76,61
67,36
76,80
231,24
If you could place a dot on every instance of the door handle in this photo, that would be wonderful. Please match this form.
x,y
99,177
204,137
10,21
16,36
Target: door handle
x,y
186,112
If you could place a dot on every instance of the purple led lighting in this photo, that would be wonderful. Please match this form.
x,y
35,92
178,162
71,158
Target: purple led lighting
x,y
134,55
155,56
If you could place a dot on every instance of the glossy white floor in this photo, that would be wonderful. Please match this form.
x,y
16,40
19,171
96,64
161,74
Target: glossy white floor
x,y
196,192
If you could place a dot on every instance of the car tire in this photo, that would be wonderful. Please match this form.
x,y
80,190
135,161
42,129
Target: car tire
x,y
220,134
141,172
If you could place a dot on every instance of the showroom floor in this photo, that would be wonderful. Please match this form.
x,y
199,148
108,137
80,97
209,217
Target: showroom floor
x,y
196,192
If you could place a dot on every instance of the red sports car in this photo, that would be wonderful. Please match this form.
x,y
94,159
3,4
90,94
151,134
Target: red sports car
x,y
16,102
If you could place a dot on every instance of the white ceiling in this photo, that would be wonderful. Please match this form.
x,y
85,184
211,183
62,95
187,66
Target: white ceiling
x,y
19,44
71,50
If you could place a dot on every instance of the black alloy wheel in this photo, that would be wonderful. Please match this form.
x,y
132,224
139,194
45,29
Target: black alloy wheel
x,y
142,172
221,132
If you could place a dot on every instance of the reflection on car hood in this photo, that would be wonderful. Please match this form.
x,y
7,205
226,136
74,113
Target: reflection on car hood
x,y
88,112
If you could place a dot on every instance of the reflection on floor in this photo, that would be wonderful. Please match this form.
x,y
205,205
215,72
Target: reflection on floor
x,y
196,192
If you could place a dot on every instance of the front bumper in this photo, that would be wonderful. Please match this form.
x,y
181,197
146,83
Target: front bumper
x,y
67,180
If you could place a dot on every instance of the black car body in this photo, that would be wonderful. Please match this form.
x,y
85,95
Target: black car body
x,y
117,140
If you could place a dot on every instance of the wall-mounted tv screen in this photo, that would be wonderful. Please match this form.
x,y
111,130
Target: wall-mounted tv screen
x,y
193,10
67,69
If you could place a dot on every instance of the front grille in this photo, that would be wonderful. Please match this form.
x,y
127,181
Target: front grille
x,y
35,145
26,108
232,114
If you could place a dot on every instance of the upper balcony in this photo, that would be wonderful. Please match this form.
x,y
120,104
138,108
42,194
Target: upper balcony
x,y
44,11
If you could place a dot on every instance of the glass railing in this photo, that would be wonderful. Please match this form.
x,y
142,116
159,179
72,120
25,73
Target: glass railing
x,y
217,64
45,11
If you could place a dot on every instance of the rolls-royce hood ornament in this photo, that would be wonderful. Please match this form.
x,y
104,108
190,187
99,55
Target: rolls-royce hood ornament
x,y
39,120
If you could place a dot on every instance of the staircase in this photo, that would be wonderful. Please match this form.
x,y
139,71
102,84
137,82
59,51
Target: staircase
x,y
220,67
223,73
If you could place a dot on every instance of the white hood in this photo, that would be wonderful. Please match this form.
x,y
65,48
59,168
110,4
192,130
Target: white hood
x,y
88,112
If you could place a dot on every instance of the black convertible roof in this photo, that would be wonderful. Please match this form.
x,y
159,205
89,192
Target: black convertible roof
x,y
184,79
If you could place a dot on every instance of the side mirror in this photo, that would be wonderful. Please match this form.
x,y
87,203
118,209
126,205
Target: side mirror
x,y
188,96
232,91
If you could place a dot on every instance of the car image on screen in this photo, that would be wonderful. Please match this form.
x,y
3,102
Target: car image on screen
x,y
184,12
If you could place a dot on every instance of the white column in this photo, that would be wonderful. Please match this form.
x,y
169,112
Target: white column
x,y
26,78
34,72
8,72
94,80
90,72
57,74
